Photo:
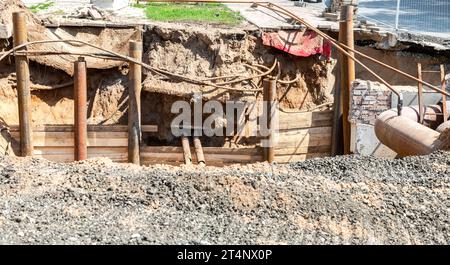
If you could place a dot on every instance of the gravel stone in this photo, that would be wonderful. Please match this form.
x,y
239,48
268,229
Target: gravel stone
x,y
335,200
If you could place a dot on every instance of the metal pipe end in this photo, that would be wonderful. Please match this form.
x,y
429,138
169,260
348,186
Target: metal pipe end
x,y
400,104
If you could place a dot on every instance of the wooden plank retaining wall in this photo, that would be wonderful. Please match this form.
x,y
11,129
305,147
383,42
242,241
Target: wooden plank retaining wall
x,y
301,136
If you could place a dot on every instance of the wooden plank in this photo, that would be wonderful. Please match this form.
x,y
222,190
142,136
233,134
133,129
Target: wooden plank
x,y
91,128
209,150
69,142
316,130
304,140
288,121
279,151
70,158
149,128
70,150
213,155
65,135
66,154
297,158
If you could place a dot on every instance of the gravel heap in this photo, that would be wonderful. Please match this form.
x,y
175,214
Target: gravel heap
x,y
338,200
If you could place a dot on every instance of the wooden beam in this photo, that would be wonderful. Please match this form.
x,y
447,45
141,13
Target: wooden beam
x,y
420,93
90,128
444,97
292,121
297,158
214,155
280,151
269,97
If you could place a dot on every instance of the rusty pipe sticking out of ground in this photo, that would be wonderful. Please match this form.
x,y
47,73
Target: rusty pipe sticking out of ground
x,y
347,72
405,135
23,86
134,104
80,95
199,151
186,150
269,97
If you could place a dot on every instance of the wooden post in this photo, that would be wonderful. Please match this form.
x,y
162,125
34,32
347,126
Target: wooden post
x,y
444,97
346,36
186,150
420,93
199,151
269,97
23,86
336,133
134,101
80,97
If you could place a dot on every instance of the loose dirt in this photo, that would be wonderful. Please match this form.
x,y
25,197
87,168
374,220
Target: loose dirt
x,y
338,200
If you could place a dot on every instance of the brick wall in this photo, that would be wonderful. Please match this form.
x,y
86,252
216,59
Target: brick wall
x,y
368,100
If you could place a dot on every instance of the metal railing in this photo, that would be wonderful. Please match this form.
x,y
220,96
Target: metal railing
x,y
418,16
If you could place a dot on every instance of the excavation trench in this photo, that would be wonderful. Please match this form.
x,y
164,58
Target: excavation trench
x,y
195,52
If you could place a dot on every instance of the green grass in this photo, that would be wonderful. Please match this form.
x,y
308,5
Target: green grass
x,y
41,6
200,12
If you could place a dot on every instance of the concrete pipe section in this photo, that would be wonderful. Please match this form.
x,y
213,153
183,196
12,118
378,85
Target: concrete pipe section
x,y
406,136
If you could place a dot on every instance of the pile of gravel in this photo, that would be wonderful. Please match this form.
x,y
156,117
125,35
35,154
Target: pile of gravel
x,y
338,200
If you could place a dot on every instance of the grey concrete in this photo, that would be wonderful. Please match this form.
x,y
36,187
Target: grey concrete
x,y
267,19
424,17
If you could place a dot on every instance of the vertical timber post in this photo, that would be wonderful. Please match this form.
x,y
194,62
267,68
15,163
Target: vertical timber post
x,y
420,93
346,36
269,96
80,95
444,97
134,101
23,86
336,134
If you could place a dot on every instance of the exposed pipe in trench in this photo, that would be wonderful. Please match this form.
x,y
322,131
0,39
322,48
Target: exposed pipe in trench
x,y
406,136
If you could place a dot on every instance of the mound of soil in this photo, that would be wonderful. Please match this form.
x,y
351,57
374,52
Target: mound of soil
x,y
338,200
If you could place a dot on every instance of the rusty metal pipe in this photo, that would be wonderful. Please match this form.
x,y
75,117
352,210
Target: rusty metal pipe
x,y
444,126
347,65
199,151
269,96
80,95
23,86
405,135
343,49
443,86
186,150
134,102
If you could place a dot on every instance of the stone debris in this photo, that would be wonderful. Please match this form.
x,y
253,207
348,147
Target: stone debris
x,y
336,200
88,12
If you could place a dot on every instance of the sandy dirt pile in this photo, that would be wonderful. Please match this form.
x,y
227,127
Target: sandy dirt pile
x,y
209,52
111,39
339,200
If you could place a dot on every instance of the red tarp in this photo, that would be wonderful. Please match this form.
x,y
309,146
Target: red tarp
x,y
300,43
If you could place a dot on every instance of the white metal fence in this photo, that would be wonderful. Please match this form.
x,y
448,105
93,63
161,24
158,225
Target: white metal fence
x,y
431,17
